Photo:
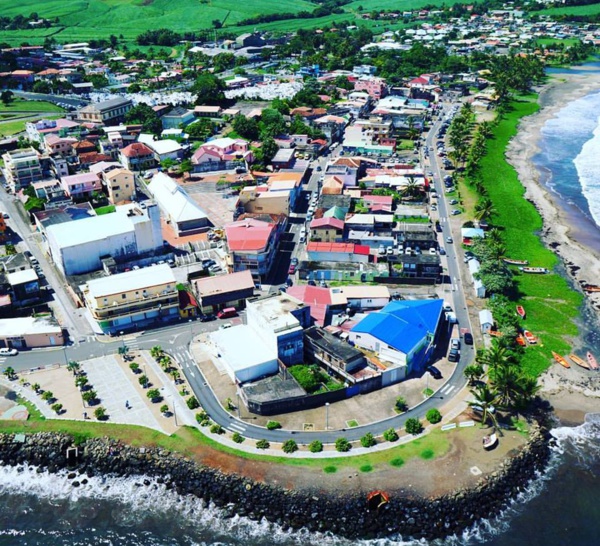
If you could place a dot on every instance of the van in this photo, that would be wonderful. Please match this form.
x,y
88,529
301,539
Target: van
x,y
228,312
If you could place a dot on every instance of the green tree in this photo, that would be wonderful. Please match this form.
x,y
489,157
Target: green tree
x,y
144,381
401,404
368,440
154,395
57,408
145,116
433,416
237,438
100,413
209,89
343,445
73,367
245,127
192,402
413,426
90,396
474,373
483,400
41,87
316,446
390,435
47,396
164,409
262,444
9,372
134,367
81,381
289,446
7,97
273,425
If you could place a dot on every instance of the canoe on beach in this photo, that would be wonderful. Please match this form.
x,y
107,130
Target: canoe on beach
x,y
531,339
561,360
592,361
515,262
537,270
521,311
579,361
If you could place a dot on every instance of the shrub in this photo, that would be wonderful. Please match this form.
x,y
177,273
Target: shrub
x,y
262,444
57,408
433,416
390,435
47,396
330,469
81,381
273,425
164,408
366,468
237,438
397,462
36,387
89,396
100,413
134,367
368,440
316,446
401,404
154,395
289,446
192,402
144,381
217,429
343,445
202,418
413,426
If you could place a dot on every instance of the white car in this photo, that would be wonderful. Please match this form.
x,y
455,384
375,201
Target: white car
x,y
5,351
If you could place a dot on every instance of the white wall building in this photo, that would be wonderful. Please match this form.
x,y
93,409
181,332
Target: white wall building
x,y
77,247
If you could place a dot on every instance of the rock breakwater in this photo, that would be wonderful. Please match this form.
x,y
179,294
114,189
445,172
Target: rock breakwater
x,y
346,515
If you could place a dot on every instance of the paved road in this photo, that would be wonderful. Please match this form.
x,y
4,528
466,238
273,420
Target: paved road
x,y
76,102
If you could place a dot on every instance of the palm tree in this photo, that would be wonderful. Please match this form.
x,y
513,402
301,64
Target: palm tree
x,y
474,373
528,388
494,357
412,189
506,381
73,367
484,209
484,399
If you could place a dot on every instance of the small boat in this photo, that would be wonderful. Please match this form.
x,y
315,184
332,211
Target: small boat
x,y
579,361
592,361
376,499
538,270
561,360
531,339
515,262
521,311
591,288
495,333
490,441
521,341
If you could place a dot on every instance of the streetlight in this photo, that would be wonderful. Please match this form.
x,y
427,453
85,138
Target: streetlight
x,y
174,410
326,415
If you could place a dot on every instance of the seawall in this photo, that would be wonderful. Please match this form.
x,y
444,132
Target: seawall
x,y
315,510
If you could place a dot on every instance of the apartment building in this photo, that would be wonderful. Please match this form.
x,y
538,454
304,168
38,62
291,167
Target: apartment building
x,y
21,168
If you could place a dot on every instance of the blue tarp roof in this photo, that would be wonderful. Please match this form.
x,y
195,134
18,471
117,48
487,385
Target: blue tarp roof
x,y
402,324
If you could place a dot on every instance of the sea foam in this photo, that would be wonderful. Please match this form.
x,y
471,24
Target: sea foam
x,y
587,164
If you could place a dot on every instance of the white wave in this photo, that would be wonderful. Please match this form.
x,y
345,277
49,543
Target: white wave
x,y
587,164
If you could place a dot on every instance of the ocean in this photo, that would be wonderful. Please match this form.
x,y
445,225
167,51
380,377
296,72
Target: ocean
x,y
38,509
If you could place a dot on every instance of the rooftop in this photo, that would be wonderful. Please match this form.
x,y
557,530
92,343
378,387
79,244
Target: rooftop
x,y
219,284
21,277
132,280
248,234
174,199
18,327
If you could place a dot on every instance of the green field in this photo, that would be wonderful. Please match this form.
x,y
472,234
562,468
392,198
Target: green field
x,y
82,20
21,105
550,303
591,9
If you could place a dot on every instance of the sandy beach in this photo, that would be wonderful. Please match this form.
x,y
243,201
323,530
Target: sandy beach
x,y
563,230
568,235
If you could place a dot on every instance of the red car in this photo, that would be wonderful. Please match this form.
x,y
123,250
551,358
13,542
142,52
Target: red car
x,y
292,269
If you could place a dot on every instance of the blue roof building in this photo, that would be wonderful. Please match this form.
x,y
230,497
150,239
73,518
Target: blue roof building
x,y
401,335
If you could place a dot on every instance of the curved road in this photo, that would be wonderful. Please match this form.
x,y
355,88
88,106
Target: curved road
x,y
175,337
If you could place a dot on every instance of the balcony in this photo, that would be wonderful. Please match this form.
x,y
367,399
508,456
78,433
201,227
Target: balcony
x,y
108,313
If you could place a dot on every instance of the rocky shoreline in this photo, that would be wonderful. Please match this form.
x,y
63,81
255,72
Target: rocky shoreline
x,y
346,515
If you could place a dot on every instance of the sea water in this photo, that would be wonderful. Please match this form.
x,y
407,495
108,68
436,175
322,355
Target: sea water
x,y
560,507
569,161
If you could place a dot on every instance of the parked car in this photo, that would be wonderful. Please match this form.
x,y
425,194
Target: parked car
x,y
225,325
442,251
454,355
292,269
228,312
434,372
432,251
453,202
294,261
207,318
5,351
449,240
455,212
455,343
468,338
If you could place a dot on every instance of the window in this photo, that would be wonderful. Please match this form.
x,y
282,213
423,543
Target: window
x,y
124,296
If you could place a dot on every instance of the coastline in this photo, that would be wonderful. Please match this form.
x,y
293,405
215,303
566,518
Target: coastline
x,y
561,226
564,232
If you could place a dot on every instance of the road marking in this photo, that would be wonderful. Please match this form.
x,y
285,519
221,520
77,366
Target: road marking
x,y
192,374
237,428
187,352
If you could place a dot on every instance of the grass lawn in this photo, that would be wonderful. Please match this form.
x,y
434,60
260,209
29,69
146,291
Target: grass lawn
x,y
550,303
11,128
187,440
22,105
105,210
590,9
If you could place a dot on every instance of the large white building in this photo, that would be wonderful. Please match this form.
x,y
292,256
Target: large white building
x,y
77,247
178,208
